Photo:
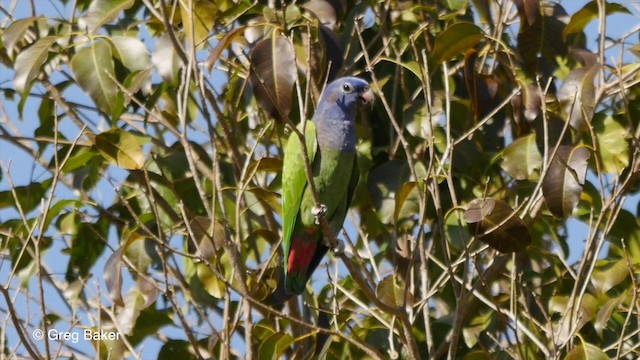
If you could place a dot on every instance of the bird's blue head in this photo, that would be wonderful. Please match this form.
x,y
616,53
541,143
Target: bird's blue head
x,y
342,98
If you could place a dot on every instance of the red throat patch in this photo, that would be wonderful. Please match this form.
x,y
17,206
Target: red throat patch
x,y
300,255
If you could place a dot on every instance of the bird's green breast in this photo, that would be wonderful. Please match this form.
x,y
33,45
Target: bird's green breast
x,y
331,175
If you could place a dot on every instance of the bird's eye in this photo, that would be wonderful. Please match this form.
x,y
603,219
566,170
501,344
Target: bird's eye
x,y
347,88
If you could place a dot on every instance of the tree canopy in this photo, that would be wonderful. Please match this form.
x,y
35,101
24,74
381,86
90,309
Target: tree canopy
x,y
496,213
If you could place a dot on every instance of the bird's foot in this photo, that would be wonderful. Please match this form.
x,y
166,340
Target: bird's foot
x,y
319,212
339,248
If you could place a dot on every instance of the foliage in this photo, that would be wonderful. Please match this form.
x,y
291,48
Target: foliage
x,y
155,131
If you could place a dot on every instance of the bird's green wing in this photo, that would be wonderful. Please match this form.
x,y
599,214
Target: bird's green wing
x,y
294,181
353,182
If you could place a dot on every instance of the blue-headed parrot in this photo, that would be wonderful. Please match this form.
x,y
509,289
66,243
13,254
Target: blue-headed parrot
x,y
331,146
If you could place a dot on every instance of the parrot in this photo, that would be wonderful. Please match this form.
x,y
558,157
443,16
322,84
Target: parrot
x,y
330,140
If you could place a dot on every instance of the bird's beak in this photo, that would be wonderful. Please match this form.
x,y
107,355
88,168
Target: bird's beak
x,y
367,97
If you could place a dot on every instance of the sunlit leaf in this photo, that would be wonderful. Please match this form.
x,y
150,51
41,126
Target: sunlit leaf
x,y
29,62
455,40
94,70
457,232
589,12
265,164
198,18
268,197
612,144
586,351
165,59
223,44
323,10
521,158
102,12
401,197
563,182
208,237
495,222
412,66
113,276
131,52
273,73
141,296
120,148
577,95
15,32
141,252
476,326
456,5
391,290
210,281
609,273
275,345
605,313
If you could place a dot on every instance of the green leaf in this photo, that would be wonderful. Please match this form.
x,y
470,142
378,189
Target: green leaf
x,y
605,313
476,326
495,222
391,291
563,182
149,323
141,252
222,44
456,5
268,197
612,144
540,40
29,196
609,273
457,233
120,148
16,31
29,62
521,158
577,95
132,52
87,244
401,197
412,66
176,349
102,12
273,73
580,19
113,276
198,20
93,68
210,281
384,181
586,351
455,40
275,345
141,296
265,164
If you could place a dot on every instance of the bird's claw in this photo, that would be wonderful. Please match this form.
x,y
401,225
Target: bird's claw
x,y
339,248
319,212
